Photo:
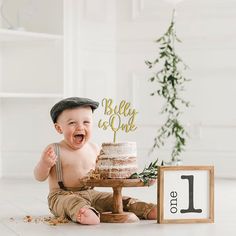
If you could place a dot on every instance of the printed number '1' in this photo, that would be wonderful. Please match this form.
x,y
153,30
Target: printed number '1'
x,y
190,202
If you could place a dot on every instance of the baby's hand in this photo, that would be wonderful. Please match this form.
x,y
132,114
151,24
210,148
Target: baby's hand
x,y
49,157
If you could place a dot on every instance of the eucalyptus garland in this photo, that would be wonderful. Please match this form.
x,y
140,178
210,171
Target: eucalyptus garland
x,y
148,173
170,84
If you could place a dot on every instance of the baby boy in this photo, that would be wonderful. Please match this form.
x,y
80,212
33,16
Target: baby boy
x,y
70,160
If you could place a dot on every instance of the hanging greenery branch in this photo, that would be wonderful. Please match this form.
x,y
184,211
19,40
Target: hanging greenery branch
x,y
170,83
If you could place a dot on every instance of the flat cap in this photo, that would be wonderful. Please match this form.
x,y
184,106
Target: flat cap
x,y
70,103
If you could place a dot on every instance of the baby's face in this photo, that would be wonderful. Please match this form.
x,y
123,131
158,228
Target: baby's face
x,y
76,126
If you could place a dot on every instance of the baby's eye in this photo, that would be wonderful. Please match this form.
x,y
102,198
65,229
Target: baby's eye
x,y
87,122
72,123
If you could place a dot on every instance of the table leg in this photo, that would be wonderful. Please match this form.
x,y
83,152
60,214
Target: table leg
x,y
117,200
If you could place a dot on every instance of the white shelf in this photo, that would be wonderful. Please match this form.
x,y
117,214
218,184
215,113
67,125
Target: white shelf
x,y
7,35
31,81
31,95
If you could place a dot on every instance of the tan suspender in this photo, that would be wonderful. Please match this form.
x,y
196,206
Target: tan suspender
x,y
60,174
58,167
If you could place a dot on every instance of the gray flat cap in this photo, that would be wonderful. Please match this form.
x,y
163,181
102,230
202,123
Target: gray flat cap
x,y
70,103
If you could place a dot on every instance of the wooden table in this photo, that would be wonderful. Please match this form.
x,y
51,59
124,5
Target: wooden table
x,y
118,215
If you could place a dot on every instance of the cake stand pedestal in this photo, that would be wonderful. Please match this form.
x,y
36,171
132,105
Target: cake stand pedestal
x,y
117,215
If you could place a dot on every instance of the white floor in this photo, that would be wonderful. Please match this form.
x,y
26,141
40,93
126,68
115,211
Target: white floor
x,y
19,198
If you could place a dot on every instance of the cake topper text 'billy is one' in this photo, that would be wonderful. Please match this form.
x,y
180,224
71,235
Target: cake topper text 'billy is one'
x,y
115,112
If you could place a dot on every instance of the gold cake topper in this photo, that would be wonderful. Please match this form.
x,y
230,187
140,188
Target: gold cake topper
x,y
115,112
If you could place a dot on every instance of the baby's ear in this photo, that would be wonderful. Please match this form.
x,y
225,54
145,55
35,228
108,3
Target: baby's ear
x,y
58,128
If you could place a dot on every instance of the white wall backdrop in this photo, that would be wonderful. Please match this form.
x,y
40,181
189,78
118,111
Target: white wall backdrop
x,y
116,37
105,45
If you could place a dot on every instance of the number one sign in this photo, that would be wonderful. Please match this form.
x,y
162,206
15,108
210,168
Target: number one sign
x,y
186,194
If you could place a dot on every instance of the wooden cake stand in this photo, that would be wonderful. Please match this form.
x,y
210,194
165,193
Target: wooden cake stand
x,y
118,215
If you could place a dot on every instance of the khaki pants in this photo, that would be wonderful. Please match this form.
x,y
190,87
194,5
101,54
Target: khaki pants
x,y
68,203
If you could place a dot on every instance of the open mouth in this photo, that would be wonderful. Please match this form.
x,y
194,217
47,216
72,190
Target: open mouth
x,y
79,137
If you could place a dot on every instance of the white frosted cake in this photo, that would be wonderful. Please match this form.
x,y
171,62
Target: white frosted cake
x,y
117,160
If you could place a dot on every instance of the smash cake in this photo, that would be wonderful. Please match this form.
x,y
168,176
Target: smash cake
x,y
117,160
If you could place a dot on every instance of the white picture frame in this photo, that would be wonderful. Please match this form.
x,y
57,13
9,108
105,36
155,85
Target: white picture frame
x,y
185,194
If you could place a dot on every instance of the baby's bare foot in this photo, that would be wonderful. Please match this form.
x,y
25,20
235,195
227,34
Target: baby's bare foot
x,y
152,215
87,216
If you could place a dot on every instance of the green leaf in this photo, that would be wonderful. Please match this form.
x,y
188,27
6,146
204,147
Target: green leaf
x,y
152,79
169,47
159,40
149,64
